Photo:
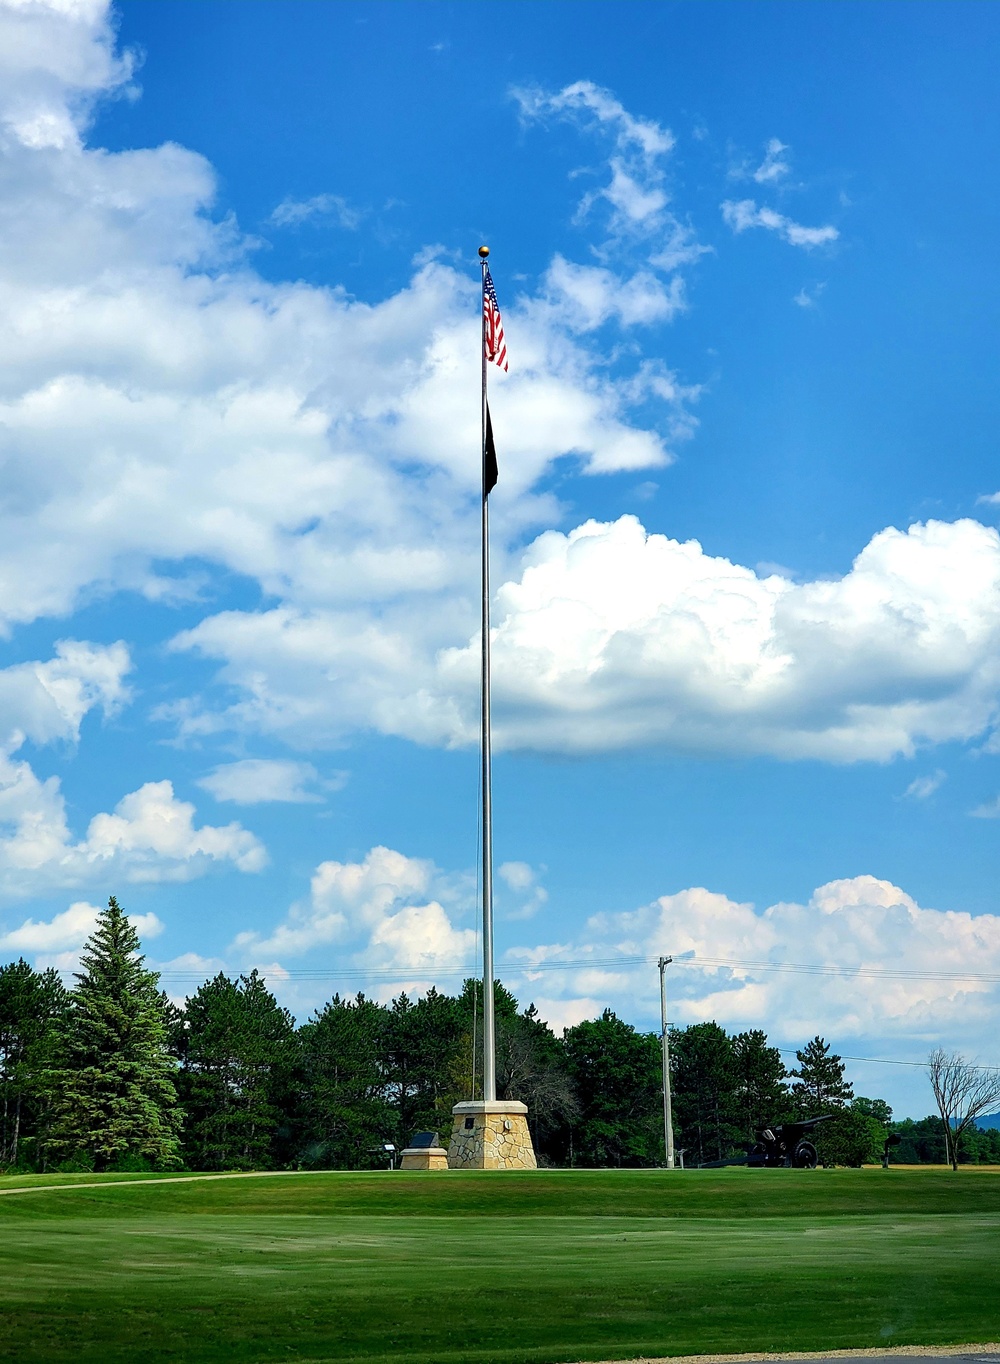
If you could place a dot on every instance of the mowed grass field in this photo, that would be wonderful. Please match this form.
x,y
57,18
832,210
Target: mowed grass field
x,y
499,1268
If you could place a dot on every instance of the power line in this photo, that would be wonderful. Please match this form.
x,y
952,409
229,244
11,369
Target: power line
x,y
880,1060
875,972
439,968
875,1060
567,964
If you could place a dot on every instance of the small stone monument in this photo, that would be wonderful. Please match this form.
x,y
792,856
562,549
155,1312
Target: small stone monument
x,y
424,1153
491,1135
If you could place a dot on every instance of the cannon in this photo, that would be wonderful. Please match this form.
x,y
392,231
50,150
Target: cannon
x,y
783,1144
786,1144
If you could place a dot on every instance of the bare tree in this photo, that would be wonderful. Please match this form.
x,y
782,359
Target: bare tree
x,y
963,1093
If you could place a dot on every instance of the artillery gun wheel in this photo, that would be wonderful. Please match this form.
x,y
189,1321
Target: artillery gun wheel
x,y
805,1156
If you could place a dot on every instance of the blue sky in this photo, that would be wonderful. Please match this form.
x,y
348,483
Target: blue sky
x,y
747,651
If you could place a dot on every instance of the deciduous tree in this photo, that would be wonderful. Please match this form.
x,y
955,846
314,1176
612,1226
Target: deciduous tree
x,y
963,1093
531,1067
855,1137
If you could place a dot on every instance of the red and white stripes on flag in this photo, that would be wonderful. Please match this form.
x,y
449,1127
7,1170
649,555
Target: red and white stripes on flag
x,y
496,347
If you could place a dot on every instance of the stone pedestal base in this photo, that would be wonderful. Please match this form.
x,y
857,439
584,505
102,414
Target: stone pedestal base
x,y
491,1136
423,1158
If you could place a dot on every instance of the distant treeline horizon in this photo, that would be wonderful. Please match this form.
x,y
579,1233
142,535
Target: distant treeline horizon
x,y
110,1075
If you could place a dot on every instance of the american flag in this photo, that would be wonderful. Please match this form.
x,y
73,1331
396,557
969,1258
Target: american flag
x,y
496,346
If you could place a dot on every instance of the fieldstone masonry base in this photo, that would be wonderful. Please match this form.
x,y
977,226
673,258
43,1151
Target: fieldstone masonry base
x,y
491,1136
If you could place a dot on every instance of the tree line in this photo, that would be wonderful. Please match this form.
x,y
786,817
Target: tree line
x,y
110,1075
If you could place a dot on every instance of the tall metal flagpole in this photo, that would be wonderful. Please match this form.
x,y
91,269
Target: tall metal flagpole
x,y
487,1135
489,1027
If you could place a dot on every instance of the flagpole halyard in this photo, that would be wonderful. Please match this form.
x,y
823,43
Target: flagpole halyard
x,y
489,1022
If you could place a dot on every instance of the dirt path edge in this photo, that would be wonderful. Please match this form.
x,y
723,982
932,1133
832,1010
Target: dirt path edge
x,y
879,1352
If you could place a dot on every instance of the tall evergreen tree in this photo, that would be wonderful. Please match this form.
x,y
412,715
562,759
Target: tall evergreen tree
x,y
819,1086
425,1043
467,1064
33,1008
761,1094
703,1071
237,1055
344,1115
617,1075
115,1099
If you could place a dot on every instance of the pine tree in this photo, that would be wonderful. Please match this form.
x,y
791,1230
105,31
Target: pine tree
x,y
423,1042
820,1080
32,1007
616,1071
761,1093
115,1102
237,1048
704,1087
344,1115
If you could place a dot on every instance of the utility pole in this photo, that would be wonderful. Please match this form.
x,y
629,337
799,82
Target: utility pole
x,y
668,1122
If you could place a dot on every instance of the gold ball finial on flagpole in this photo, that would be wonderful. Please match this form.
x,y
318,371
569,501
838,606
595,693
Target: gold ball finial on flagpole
x,y
484,251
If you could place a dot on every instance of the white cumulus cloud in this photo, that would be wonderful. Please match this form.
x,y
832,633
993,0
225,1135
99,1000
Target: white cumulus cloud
x,y
149,836
610,637
386,915
65,933
164,410
47,701
588,295
162,405
613,637
56,57
860,961
154,835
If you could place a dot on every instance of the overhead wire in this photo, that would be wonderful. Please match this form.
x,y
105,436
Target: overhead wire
x,y
442,968
419,970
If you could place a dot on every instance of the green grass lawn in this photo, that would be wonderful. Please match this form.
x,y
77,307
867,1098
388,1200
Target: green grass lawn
x,y
556,1266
